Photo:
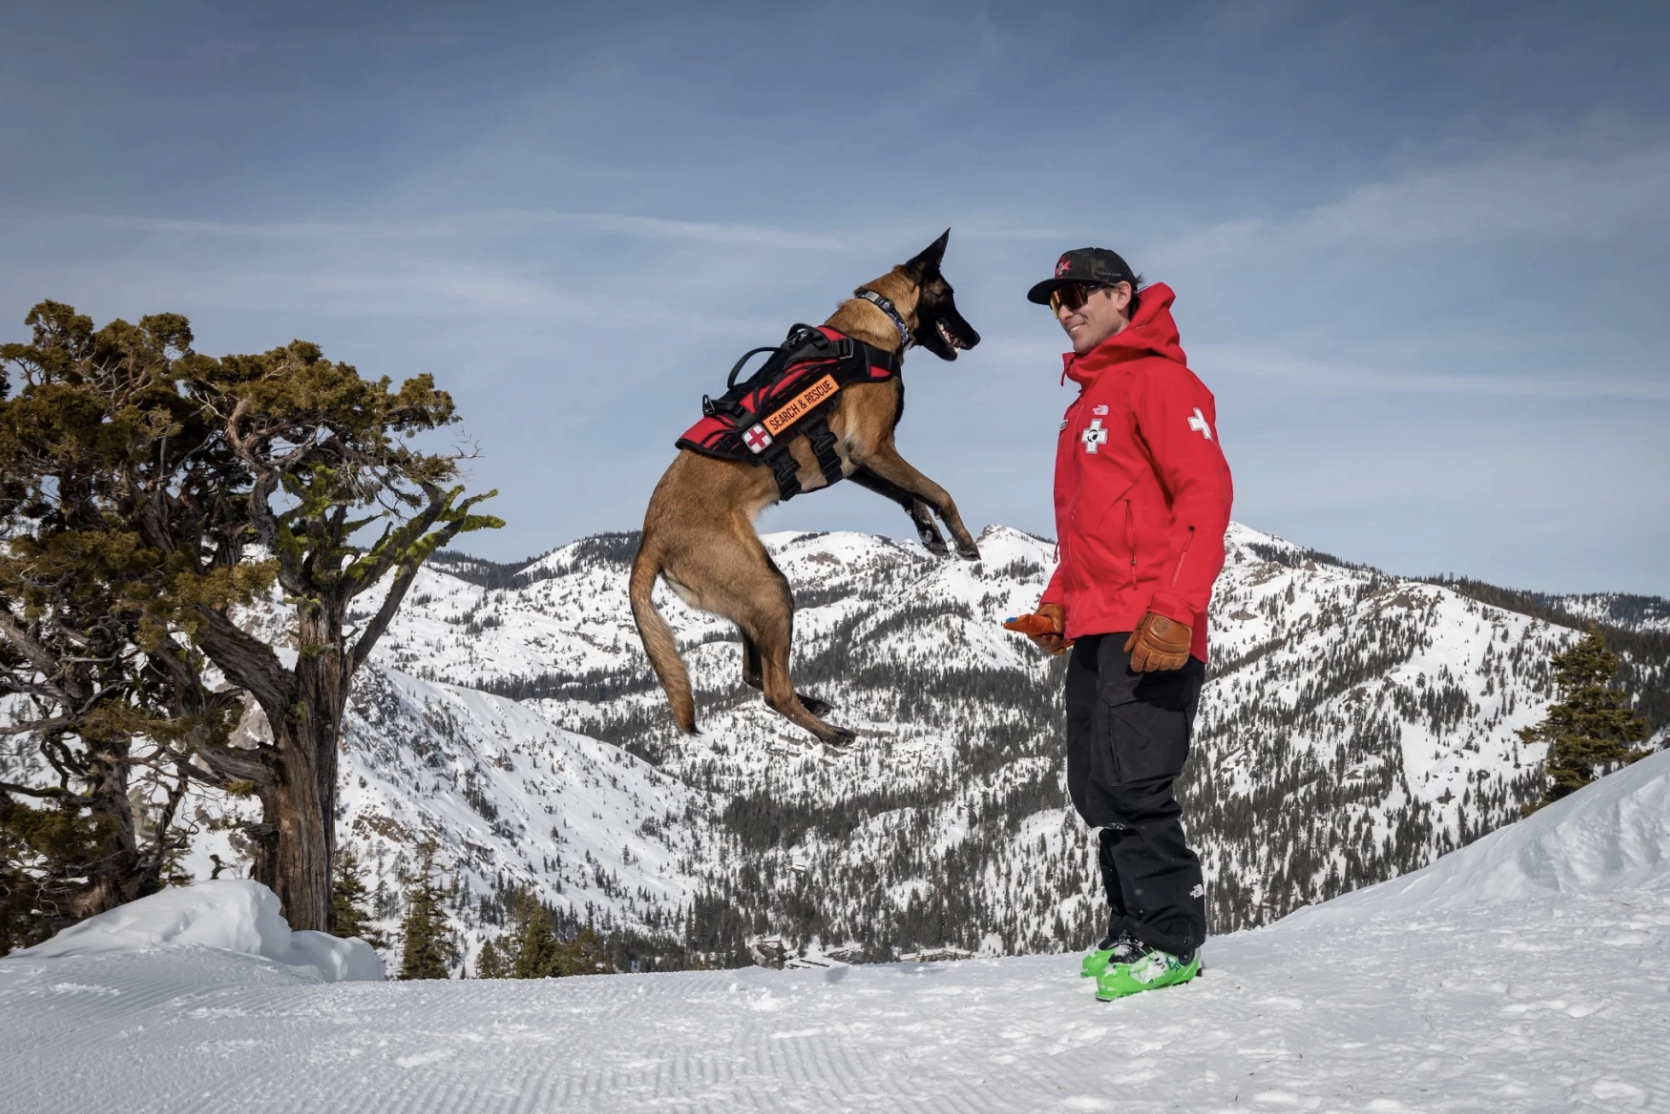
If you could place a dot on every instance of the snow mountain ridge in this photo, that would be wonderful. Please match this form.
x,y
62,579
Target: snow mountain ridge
x,y
1355,726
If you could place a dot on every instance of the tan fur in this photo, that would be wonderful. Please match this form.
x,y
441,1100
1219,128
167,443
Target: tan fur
x,y
699,528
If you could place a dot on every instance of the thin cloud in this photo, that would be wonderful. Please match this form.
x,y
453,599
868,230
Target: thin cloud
x,y
1338,378
1595,191
1584,194
521,221
504,222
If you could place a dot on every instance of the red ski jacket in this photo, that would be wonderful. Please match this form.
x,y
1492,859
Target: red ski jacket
x,y
1142,490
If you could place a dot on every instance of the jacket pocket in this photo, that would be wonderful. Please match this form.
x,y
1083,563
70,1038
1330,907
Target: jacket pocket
x,y
1177,571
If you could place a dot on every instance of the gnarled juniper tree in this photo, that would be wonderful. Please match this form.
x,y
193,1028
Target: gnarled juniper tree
x,y
232,475
97,684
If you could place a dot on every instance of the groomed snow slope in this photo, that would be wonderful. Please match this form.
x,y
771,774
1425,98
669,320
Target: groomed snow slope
x,y
1550,993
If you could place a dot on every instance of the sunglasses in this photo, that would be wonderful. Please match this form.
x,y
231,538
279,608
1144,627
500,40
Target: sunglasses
x,y
1074,295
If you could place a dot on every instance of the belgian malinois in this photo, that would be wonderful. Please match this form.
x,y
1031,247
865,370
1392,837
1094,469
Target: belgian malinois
x,y
699,529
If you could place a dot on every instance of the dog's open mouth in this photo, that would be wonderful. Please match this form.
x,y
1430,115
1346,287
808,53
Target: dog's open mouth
x,y
949,337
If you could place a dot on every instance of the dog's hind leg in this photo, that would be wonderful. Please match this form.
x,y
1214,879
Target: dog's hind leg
x,y
921,515
753,671
764,609
750,662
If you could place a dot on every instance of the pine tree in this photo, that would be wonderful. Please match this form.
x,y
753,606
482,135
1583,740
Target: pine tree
x,y
494,962
1592,726
536,953
349,897
584,955
428,951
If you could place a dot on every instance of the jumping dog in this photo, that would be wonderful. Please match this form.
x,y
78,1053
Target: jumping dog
x,y
699,529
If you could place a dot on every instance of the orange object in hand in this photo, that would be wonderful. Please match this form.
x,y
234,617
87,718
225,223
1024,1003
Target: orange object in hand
x,y
1045,627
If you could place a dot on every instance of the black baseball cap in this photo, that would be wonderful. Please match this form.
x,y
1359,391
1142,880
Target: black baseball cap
x,y
1091,266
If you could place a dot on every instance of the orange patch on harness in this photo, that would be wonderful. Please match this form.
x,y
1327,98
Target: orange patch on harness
x,y
801,405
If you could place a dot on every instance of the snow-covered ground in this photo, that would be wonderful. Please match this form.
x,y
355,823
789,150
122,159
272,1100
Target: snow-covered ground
x,y
1527,972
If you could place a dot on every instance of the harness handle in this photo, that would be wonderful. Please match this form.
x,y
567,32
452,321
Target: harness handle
x,y
730,383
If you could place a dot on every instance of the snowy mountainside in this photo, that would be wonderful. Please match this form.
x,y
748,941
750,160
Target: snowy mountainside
x,y
1633,613
513,801
1355,726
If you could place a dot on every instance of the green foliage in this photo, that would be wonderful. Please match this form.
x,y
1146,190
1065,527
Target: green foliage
x,y
146,490
584,954
1592,726
536,953
533,950
350,898
428,951
41,849
494,962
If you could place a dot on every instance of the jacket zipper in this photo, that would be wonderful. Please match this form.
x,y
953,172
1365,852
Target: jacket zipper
x,y
1181,557
1073,507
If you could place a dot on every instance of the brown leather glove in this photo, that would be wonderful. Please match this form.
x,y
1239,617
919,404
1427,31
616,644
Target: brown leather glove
x,y
1045,627
1158,644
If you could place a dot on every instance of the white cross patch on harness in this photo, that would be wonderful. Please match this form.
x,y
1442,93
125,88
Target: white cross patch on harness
x,y
1094,436
1197,423
757,439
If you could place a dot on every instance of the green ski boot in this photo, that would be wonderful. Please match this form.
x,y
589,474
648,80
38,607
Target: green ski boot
x,y
1112,950
1150,969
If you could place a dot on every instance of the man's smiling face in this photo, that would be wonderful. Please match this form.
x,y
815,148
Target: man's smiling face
x,y
1103,314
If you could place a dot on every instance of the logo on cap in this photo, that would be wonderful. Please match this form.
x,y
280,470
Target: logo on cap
x,y
1062,266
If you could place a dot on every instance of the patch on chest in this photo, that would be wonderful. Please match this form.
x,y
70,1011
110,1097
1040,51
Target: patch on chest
x,y
1093,436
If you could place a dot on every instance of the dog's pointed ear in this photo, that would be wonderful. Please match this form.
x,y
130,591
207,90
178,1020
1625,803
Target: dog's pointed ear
x,y
926,262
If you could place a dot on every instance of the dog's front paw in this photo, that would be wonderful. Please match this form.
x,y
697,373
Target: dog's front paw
x,y
968,551
932,542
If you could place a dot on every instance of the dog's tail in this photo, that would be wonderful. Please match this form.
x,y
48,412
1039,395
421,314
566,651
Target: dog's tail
x,y
659,642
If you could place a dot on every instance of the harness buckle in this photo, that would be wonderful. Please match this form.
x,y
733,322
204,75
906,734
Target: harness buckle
x,y
786,470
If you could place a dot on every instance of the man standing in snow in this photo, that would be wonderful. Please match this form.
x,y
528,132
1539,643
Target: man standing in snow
x,y
1142,495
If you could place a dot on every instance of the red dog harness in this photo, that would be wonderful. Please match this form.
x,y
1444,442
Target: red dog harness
x,y
790,395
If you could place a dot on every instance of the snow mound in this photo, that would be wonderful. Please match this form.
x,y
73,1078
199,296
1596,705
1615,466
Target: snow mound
x,y
235,916
1612,835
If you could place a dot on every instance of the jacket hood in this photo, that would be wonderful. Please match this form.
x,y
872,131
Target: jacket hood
x,y
1152,332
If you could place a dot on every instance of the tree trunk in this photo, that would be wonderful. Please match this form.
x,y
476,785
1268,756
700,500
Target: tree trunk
x,y
301,867
307,744
117,878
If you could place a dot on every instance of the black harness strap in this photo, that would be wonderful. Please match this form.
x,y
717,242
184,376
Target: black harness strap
x,y
787,470
823,447
741,420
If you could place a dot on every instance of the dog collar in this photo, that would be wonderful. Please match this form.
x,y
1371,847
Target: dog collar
x,y
906,340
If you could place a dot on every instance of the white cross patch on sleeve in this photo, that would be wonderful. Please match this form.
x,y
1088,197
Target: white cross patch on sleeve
x,y
1198,424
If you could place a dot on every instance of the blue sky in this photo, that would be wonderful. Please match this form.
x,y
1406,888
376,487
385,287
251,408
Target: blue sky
x,y
1420,250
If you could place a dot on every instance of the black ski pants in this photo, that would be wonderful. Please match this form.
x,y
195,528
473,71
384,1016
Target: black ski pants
x,y
1127,738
